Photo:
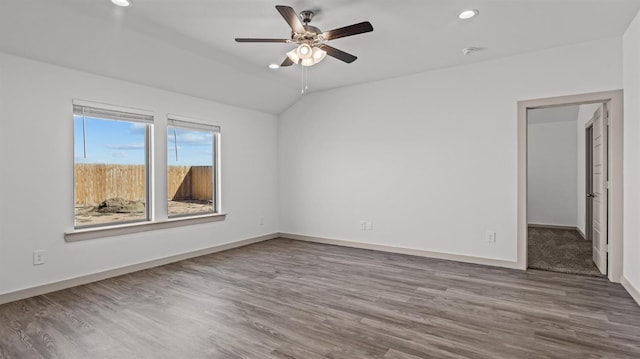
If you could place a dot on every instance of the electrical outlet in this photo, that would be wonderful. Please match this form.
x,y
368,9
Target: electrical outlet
x,y
369,226
366,225
262,220
491,236
38,257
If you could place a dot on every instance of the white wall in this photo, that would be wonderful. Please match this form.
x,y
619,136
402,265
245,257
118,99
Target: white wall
x,y
631,65
36,192
585,114
552,173
429,158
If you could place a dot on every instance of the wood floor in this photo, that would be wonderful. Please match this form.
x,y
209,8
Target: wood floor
x,y
290,299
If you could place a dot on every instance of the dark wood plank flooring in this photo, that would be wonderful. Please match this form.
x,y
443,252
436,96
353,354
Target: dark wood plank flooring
x,y
291,299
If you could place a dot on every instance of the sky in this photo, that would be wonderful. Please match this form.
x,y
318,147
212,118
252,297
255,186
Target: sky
x,y
122,142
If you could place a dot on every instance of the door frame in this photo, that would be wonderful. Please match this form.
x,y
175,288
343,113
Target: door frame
x,y
588,166
615,193
603,115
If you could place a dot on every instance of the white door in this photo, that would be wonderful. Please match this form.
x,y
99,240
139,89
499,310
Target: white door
x,y
599,190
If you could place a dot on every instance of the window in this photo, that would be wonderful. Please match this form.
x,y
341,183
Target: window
x,y
111,165
113,172
191,167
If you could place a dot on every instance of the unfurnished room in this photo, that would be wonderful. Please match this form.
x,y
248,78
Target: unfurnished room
x,y
320,179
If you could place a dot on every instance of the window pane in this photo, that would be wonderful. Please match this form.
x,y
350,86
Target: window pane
x,y
110,171
190,171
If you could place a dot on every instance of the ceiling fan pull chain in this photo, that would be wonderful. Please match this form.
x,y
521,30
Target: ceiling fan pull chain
x,y
306,78
302,81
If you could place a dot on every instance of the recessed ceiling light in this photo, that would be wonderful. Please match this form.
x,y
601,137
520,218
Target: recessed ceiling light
x,y
468,14
123,3
274,66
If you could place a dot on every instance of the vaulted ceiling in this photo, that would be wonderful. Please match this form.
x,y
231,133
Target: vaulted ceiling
x,y
188,46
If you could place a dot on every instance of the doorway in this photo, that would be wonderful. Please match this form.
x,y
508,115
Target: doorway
x,y
559,230
611,210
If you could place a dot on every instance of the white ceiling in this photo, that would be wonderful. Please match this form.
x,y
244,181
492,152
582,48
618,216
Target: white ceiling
x,y
188,46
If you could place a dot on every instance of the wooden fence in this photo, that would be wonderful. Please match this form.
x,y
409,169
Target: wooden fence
x,y
190,182
97,182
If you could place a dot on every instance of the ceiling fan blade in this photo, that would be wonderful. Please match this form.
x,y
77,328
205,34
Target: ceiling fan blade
x,y
354,29
261,40
287,62
291,18
339,54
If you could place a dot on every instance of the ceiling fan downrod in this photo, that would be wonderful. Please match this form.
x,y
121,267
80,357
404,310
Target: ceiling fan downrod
x,y
306,16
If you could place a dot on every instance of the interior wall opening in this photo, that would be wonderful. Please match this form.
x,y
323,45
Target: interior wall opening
x,y
560,194
614,206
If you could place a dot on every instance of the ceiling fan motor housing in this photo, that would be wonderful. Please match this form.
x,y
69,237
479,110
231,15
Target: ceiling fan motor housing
x,y
311,34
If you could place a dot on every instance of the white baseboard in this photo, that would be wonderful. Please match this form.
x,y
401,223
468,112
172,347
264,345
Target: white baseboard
x,y
94,277
555,226
403,250
551,226
633,291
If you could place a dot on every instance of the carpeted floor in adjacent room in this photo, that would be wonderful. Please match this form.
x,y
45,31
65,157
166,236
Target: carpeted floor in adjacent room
x,y
560,250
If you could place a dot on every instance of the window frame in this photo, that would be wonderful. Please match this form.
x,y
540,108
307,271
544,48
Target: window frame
x,y
119,113
177,121
152,222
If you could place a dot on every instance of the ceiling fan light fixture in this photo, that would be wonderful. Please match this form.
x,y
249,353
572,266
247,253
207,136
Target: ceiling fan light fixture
x,y
307,62
293,56
274,66
318,54
304,51
306,55
468,14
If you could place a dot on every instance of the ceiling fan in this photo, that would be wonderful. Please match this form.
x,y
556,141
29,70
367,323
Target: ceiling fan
x,y
311,41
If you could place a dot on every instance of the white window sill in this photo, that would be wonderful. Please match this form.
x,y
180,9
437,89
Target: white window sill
x,y
118,230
